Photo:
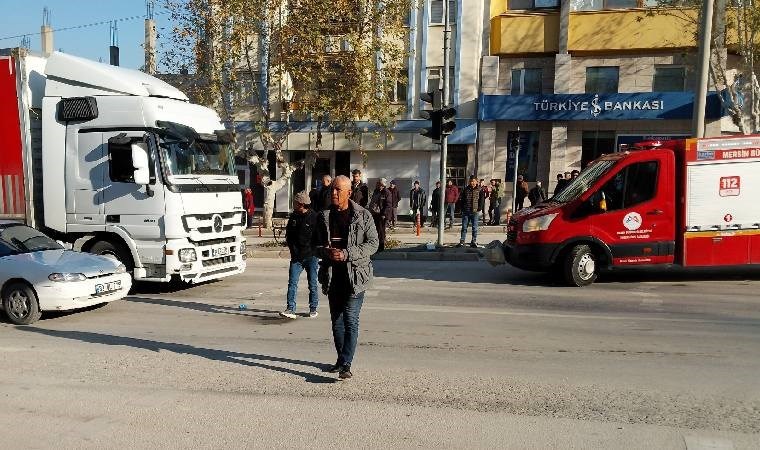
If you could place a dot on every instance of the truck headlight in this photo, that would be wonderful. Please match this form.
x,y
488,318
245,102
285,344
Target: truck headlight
x,y
540,223
67,277
187,255
121,269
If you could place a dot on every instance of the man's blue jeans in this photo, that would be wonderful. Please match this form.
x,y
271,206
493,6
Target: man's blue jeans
x,y
311,265
469,218
450,212
344,313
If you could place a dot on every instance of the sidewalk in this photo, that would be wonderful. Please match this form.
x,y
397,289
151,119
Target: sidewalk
x,y
406,244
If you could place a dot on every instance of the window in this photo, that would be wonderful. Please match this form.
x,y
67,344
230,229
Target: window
x,y
602,80
669,79
434,77
398,93
594,144
527,162
593,5
436,12
533,4
631,186
120,168
526,81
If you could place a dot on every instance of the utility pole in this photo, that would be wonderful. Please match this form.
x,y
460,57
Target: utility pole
x,y
444,138
700,96
516,149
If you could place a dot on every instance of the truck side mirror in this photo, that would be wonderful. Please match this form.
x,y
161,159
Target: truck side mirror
x,y
141,165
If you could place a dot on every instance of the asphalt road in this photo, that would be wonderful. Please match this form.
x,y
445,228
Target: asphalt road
x,y
452,354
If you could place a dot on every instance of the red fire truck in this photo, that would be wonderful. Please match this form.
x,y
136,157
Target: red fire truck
x,y
693,202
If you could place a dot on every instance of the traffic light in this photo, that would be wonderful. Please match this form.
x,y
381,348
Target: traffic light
x,y
435,99
448,123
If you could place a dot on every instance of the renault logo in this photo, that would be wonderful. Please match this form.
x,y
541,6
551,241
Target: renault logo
x,y
218,224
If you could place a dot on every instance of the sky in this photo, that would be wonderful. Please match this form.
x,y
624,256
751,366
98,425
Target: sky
x,y
18,17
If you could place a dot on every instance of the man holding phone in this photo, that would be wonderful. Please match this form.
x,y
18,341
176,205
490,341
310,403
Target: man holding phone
x,y
346,238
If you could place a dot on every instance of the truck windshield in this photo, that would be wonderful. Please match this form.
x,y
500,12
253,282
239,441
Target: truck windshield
x,y
584,182
201,157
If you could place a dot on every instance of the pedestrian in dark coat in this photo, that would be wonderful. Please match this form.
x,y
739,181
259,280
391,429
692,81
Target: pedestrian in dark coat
x,y
395,199
435,199
522,192
359,190
300,237
537,194
320,197
471,202
379,206
418,202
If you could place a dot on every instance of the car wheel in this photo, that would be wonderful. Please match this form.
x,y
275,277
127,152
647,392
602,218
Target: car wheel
x,y
580,266
106,248
20,304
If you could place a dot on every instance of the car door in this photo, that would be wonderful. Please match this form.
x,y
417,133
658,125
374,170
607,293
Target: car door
x,y
635,212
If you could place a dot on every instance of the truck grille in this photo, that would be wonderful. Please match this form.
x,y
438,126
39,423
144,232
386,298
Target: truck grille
x,y
212,223
219,261
512,231
210,242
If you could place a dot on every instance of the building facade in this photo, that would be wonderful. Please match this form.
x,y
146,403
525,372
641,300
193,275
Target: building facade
x,y
567,81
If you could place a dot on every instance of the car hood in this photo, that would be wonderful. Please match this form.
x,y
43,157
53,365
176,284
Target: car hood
x,y
539,210
64,261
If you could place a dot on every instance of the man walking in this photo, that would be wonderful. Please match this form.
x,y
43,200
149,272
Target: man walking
x,y
395,198
320,197
452,197
435,199
537,194
472,202
418,202
299,236
346,237
359,190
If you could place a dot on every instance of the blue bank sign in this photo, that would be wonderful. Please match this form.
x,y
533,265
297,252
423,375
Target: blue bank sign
x,y
637,106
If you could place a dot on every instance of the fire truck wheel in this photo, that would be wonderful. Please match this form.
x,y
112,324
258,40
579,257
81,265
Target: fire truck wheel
x,y
580,266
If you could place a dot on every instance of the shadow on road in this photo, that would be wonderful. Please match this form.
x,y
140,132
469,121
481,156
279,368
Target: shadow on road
x,y
208,353
264,315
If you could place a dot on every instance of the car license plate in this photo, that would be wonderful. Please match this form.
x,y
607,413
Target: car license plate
x,y
220,251
104,288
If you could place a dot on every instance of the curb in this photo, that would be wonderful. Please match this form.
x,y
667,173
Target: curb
x,y
384,256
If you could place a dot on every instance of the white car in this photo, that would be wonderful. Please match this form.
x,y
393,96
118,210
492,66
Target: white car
x,y
37,274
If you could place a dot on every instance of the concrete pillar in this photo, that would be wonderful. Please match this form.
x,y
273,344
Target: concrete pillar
x,y
486,149
558,156
150,46
564,26
46,36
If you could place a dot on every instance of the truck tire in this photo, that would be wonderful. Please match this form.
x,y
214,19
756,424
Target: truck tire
x,y
107,248
580,266
20,303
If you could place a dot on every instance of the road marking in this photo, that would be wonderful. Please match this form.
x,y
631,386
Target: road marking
x,y
371,293
707,443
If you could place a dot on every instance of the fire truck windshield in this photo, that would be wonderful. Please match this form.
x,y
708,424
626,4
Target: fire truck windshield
x,y
584,182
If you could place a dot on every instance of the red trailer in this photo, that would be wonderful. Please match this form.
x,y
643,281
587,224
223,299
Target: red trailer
x,y
689,202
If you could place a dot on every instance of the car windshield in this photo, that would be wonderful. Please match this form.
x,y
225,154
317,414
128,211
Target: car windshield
x,y
201,157
26,239
584,182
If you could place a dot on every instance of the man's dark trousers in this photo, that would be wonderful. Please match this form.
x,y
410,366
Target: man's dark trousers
x,y
344,313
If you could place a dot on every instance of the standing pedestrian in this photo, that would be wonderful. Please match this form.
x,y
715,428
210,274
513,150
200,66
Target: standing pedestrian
x,y
452,197
249,206
395,198
299,235
472,201
485,191
561,183
574,174
522,192
359,190
496,197
379,207
320,197
435,200
418,202
346,239
537,194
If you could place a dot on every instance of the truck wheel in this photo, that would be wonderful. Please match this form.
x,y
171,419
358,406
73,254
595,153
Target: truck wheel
x,y
580,266
20,304
106,248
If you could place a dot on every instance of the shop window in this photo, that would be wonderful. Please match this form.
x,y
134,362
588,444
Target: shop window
x,y
436,12
631,186
533,4
594,144
527,157
602,80
526,81
669,79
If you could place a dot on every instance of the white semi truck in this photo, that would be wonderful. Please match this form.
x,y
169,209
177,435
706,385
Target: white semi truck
x,y
117,162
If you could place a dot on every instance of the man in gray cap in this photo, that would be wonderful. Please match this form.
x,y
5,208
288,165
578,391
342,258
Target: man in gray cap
x,y
300,236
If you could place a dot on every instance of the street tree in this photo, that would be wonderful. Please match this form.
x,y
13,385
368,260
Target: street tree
x,y
736,31
277,63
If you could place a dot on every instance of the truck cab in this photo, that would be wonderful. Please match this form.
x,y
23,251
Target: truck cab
x,y
620,211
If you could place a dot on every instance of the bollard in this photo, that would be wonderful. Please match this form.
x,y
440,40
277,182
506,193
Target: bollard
x,y
259,230
417,220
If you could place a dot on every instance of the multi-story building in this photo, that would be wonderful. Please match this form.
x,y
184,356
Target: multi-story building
x,y
580,78
403,154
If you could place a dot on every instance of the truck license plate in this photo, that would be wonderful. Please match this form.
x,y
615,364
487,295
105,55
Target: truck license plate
x,y
104,288
221,251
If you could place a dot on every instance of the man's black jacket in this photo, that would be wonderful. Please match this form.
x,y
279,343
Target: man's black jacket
x,y
300,235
